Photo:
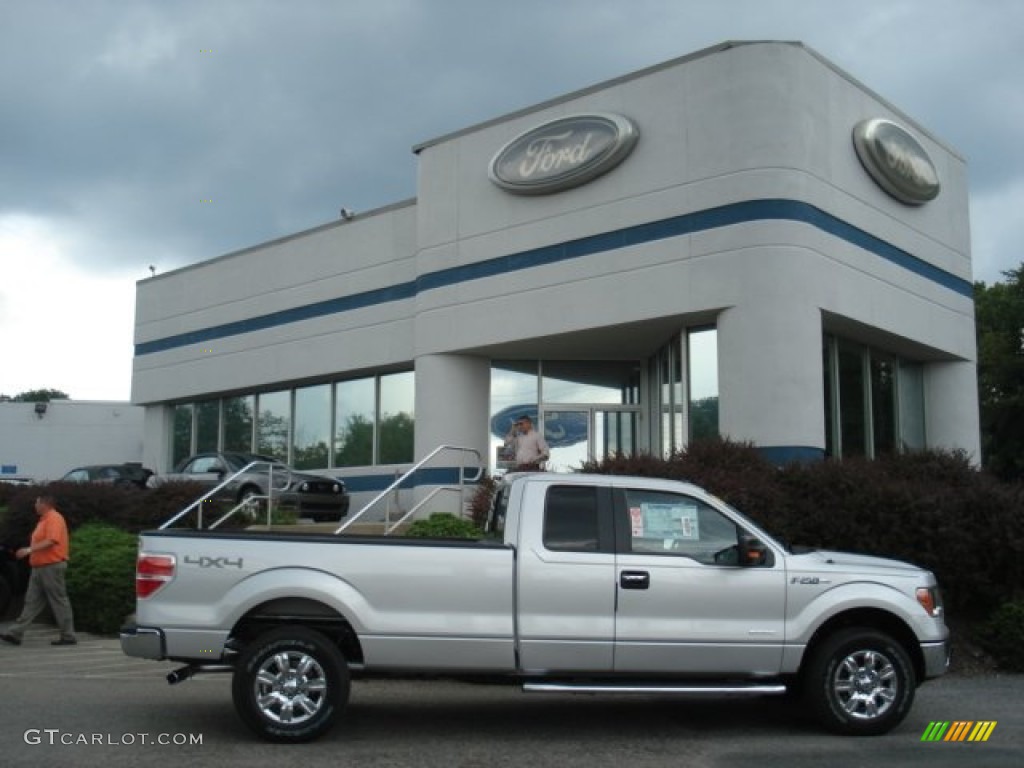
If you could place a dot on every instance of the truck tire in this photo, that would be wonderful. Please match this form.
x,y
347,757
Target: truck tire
x,y
859,682
291,685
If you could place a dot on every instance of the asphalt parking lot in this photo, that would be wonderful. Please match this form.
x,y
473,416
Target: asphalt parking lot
x,y
91,705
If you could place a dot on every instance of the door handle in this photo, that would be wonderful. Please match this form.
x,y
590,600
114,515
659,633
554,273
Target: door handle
x,y
635,580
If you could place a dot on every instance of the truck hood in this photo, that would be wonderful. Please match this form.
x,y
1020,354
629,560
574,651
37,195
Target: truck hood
x,y
824,560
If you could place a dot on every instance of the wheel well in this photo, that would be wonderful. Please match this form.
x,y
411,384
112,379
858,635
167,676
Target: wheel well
x,y
248,487
871,618
297,612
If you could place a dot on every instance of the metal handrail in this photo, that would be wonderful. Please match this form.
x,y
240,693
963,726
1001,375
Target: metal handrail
x,y
415,468
199,502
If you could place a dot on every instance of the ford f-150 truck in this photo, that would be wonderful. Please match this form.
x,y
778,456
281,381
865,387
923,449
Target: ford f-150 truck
x,y
585,583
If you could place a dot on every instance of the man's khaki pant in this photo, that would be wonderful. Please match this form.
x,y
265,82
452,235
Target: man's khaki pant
x,y
46,585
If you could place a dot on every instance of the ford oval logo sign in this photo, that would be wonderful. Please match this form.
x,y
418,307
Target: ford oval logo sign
x,y
896,161
563,153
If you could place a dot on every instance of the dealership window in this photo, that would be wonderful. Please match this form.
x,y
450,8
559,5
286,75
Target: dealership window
x,y
874,402
359,422
273,423
396,418
207,426
686,393
181,437
312,432
239,423
587,409
354,417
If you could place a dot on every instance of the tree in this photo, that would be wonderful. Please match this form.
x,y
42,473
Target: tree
x,y
36,396
999,318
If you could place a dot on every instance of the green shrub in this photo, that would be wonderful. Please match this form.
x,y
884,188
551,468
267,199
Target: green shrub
x,y
443,525
1003,636
101,577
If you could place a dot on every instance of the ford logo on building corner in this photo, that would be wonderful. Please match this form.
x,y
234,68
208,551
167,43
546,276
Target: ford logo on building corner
x,y
896,161
563,153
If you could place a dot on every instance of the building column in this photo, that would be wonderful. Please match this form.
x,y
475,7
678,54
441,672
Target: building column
x,y
771,389
452,406
951,408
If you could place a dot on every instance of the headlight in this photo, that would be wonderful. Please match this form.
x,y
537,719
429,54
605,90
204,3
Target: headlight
x,y
930,599
336,488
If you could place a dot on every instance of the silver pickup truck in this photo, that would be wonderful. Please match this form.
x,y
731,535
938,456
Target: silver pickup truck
x,y
585,583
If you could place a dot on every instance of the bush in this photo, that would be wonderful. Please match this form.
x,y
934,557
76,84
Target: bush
x,y
443,525
1003,636
480,503
130,509
101,577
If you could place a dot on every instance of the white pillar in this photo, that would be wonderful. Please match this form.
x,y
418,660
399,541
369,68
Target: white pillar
x,y
951,408
452,404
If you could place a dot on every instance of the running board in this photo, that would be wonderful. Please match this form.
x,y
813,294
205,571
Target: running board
x,y
715,690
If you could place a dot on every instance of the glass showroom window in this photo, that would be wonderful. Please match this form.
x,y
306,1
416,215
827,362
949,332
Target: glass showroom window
x,y
273,424
312,432
239,423
874,403
354,419
396,421
207,426
702,373
181,441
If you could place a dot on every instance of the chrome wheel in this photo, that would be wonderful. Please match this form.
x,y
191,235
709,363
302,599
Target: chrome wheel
x,y
289,687
858,681
865,684
290,684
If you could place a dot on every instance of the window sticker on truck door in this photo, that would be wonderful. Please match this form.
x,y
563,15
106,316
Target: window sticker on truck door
x,y
670,521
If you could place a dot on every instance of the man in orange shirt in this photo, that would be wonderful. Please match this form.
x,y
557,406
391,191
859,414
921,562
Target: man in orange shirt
x,y
47,553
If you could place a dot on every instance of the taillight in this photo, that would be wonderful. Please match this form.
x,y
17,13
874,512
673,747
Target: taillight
x,y
152,572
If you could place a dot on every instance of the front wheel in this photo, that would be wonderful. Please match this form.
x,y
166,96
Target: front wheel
x,y
291,685
859,682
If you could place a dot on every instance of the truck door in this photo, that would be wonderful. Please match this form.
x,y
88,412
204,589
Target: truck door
x,y
566,580
685,604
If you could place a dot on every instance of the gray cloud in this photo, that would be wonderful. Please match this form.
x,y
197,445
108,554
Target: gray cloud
x,y
122,118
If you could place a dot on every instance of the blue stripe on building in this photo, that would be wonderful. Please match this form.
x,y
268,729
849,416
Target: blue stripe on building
x,y
676,226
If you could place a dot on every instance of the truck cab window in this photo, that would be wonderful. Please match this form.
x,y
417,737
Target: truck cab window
x,y
571,519
673,524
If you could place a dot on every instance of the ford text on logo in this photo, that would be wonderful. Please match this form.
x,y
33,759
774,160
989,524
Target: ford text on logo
x,y
896,161
563,153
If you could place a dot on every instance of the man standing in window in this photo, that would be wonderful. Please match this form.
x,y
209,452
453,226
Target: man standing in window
x,y
529,446
47,553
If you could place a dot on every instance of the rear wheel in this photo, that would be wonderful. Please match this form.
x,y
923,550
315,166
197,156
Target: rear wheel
x,y
291,685
859,682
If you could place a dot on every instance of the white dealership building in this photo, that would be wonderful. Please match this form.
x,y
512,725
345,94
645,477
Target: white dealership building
x,y
744,242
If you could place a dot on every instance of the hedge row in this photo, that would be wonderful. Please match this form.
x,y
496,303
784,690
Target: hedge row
x,y
128,509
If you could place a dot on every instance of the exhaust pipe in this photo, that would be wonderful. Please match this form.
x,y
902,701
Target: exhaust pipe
x,y
180,675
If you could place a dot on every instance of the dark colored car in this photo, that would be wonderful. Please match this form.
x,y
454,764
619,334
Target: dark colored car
x,y
312,496
123,475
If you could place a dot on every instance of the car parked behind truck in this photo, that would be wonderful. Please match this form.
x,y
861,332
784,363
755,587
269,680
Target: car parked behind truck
x,y
588,583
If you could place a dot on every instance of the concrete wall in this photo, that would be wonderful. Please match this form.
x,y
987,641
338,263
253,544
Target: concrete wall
x,y
71,433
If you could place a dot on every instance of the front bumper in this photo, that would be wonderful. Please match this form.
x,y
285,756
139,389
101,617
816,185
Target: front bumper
x,y
143,642
936,658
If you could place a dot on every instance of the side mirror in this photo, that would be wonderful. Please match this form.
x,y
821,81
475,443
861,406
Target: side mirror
x,y
752,551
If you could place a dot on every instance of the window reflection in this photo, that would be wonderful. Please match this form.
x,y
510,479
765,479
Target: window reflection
x,y
354,411
273,424
181,443
238,423
397,409
312,427
207,426
702,369
601,381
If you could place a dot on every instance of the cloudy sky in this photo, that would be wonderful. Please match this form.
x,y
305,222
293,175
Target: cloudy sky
x,y
166,132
